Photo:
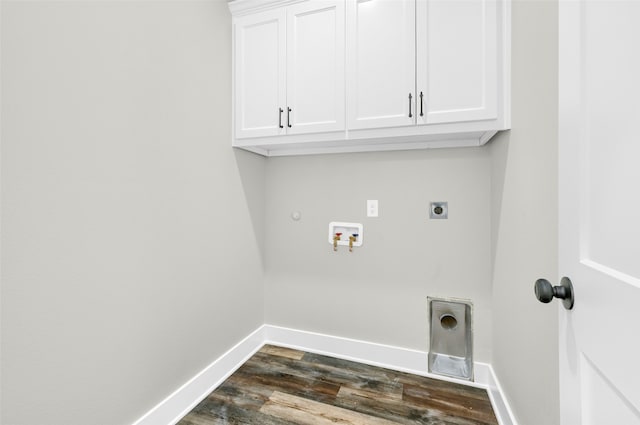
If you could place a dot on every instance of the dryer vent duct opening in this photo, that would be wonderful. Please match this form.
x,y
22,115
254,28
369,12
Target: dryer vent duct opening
x,y
451,338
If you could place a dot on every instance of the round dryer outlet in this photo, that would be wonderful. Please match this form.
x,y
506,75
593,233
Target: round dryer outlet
x,y
439,210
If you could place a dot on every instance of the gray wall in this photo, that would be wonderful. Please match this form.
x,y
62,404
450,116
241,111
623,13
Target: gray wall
x,y
524,220
130,254
379,292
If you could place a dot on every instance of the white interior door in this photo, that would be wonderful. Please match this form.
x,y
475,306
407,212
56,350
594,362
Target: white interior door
x,y
600,211
380,63
315,66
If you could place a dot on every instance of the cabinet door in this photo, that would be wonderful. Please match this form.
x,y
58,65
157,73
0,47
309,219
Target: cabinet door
x,y
315,66
259,74
457,70
380,63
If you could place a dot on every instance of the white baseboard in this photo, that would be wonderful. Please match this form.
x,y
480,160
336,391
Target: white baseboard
x,y
499,401
174,407
170,410
402,359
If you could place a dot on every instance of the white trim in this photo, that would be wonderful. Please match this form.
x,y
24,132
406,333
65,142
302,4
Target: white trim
x,y
314,149
180,402
255,149
170,410
505,90
499,402
243,7
487,136
360,141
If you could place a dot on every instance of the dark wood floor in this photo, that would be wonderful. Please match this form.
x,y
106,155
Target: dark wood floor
x,y
279,386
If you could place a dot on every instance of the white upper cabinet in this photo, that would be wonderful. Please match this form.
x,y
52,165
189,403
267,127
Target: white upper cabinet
x,y
457,49
315,66
260,78
322,76
289,70
381,61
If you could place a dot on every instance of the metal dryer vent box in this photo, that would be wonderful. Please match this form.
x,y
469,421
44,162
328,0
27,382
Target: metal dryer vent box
x,y
451,338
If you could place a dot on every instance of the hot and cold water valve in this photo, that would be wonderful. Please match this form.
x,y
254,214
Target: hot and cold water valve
x,y
345,234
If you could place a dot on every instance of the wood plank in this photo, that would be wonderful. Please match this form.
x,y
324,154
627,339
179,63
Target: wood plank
x,y
451,404
352,374
273,366
393,397
438,387
309,412
238,394
304,387
282,352
400,411
216,412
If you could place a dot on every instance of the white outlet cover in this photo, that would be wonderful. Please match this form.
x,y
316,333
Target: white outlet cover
x,y
372,208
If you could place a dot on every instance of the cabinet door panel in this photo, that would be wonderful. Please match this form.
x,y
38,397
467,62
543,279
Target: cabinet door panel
x,y
457,60
315,66
380,63
260,74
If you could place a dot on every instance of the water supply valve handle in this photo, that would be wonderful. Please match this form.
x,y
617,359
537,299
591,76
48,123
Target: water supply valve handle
x,y
352,239
336,238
